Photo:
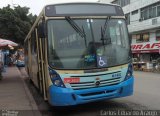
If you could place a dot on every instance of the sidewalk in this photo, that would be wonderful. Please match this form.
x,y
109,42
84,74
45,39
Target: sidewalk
x,y
15,95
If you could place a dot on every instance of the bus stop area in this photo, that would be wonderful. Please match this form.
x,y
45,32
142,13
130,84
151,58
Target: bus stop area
x,y
15,97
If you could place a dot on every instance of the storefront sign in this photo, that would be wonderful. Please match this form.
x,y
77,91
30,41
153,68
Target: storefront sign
x,y
145,47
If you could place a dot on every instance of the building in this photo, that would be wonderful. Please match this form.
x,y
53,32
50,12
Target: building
x,y
143,19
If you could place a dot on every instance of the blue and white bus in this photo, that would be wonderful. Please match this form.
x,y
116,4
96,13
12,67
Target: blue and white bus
x,y
80,52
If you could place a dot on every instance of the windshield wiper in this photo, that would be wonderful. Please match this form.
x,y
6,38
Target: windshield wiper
x,y
80,31
103,30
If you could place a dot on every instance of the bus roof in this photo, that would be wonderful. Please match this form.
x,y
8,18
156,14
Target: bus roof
x,y
83,8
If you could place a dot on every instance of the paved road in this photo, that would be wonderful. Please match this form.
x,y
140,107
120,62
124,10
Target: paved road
x,y
146,97
147,90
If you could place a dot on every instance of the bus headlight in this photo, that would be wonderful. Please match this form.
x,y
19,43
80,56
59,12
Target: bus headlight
x,y
57,82
56,79
129,72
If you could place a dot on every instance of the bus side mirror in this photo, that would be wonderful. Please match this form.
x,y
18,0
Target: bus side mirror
x,y
41,30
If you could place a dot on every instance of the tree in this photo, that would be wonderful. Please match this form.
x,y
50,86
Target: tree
x,y
15,23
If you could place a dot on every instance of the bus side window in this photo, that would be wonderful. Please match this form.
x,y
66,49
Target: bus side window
x,y
33,43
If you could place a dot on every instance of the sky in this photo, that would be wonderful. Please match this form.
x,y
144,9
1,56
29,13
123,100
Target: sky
x,y
36,5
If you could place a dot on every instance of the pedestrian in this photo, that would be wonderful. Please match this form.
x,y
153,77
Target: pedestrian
x,y
139,66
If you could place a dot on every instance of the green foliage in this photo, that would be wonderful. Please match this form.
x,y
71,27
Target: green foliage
x,y
15,23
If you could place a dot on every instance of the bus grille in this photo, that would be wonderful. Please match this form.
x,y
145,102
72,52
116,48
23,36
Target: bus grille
x,y
91,84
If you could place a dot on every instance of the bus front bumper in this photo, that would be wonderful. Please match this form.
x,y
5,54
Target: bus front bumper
x,y
67,96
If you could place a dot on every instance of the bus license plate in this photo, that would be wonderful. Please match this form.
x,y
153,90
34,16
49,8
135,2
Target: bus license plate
x,y
71,80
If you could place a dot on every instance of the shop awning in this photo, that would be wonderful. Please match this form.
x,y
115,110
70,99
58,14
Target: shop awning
x,y
7,43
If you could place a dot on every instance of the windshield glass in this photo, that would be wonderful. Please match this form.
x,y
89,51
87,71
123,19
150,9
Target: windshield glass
x,y
87,43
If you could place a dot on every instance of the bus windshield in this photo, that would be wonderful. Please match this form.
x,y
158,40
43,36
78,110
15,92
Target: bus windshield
x,y
85,43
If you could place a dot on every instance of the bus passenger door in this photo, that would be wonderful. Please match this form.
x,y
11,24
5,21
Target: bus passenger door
x,y
41,69
29,59
34,59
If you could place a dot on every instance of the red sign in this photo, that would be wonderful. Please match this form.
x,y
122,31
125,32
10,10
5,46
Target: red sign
x,y
145,47
71,80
